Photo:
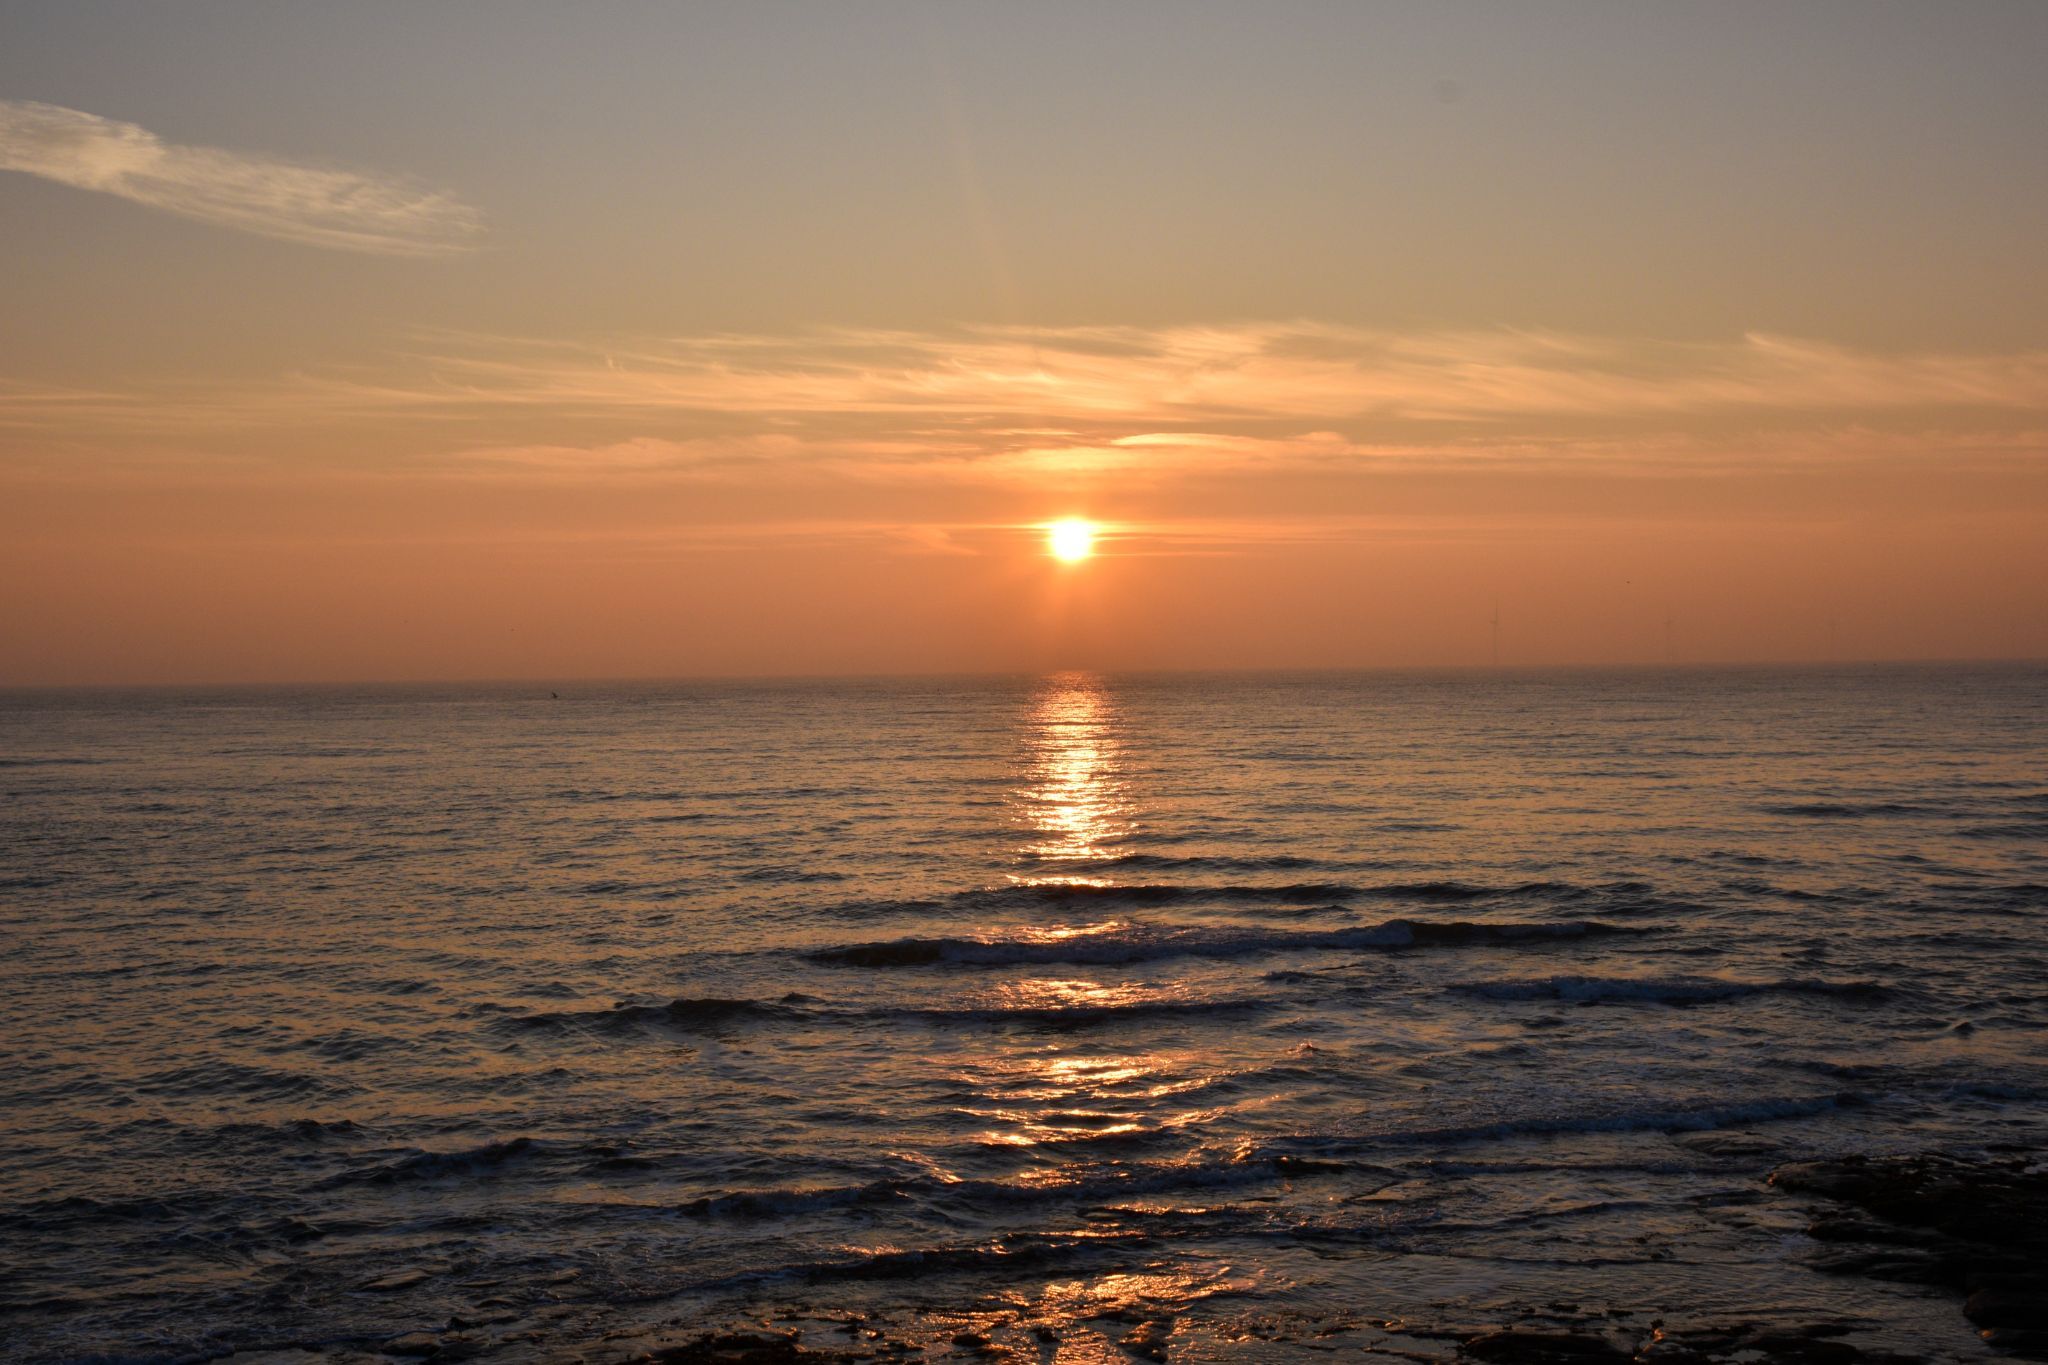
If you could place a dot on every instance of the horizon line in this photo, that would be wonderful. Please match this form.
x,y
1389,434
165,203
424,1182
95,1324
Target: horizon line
x,y
991,675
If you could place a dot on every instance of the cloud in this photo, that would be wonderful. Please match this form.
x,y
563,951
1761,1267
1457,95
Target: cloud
x,y
343,210
1119,381
1082,404
1154,459
1018,404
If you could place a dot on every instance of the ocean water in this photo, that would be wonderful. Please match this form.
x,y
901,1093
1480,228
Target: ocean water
x,y
1277,1012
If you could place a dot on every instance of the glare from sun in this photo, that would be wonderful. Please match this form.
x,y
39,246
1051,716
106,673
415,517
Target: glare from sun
x,y
1071,539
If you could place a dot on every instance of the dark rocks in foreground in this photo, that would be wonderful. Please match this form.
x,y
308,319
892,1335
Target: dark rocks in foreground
x,y
745,1348
1709,1345
1975,1225
1516,1346
1694,1346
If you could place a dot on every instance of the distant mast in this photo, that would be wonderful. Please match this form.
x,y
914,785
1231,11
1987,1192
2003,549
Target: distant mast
x,y
1495,622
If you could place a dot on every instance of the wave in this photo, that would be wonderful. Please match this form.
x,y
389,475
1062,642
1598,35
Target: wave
x,y
284,1131
1121,942
223,1077
1996,1092
684,1012
1005,1255
472,1161
1081,1187
1164,862
78,1209
1293,1157
1038,895
1448,890
2028,830
783,1203
1848,810
790,875
714,1014
1035,895
1683,1119
1666,990
1068,1016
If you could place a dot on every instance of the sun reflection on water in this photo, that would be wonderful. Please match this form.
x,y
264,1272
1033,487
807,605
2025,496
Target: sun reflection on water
x,y
1063,1110
1074,801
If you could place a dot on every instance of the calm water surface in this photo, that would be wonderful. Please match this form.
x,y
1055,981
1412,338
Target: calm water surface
x,y
1260,1006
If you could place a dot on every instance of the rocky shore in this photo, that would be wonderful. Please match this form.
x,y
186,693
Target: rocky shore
x,y
1976,1226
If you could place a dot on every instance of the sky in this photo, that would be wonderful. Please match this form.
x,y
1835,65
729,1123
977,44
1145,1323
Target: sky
x,y
523,340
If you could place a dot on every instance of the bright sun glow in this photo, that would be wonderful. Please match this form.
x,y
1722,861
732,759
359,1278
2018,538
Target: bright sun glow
x,y
1071,539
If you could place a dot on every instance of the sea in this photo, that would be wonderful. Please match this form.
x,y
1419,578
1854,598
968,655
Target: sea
x,y
1075,1017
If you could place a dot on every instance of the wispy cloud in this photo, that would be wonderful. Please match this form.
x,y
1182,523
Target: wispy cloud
x,y
1155,459
1008,404
344,210
1295,371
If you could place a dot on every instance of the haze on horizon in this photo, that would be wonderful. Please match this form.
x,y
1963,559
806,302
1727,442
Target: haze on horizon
x,y
514,340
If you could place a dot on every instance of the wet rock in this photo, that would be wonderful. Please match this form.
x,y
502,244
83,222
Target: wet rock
x,y
1999,1203
1518,1346
1148,1340
459,1323
1979,1225
1729,1144
1882,1263
1669,1351
396,1280
745,1348
1794,1344
1804,1349
2027,1343
1850,1228
2021,1308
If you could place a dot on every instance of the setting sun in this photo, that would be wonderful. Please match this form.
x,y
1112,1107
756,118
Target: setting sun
x,y
667,515
1071,539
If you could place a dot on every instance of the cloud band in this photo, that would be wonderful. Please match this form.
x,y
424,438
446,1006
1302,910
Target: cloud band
x,y
342,210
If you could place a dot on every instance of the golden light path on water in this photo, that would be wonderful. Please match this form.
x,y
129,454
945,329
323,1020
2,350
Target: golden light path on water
x,y
1086,1044
1077,808
1075,799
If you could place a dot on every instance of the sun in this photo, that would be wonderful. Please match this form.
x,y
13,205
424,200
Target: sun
x,y
1071,539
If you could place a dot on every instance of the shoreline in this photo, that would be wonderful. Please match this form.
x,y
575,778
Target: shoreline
x,y
1974,1229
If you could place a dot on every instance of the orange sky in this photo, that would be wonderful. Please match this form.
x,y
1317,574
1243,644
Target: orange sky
x,y
703,341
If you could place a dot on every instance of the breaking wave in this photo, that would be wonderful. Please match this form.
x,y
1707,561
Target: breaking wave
x,y
1120,942
717,1015
1668,990
1039,894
